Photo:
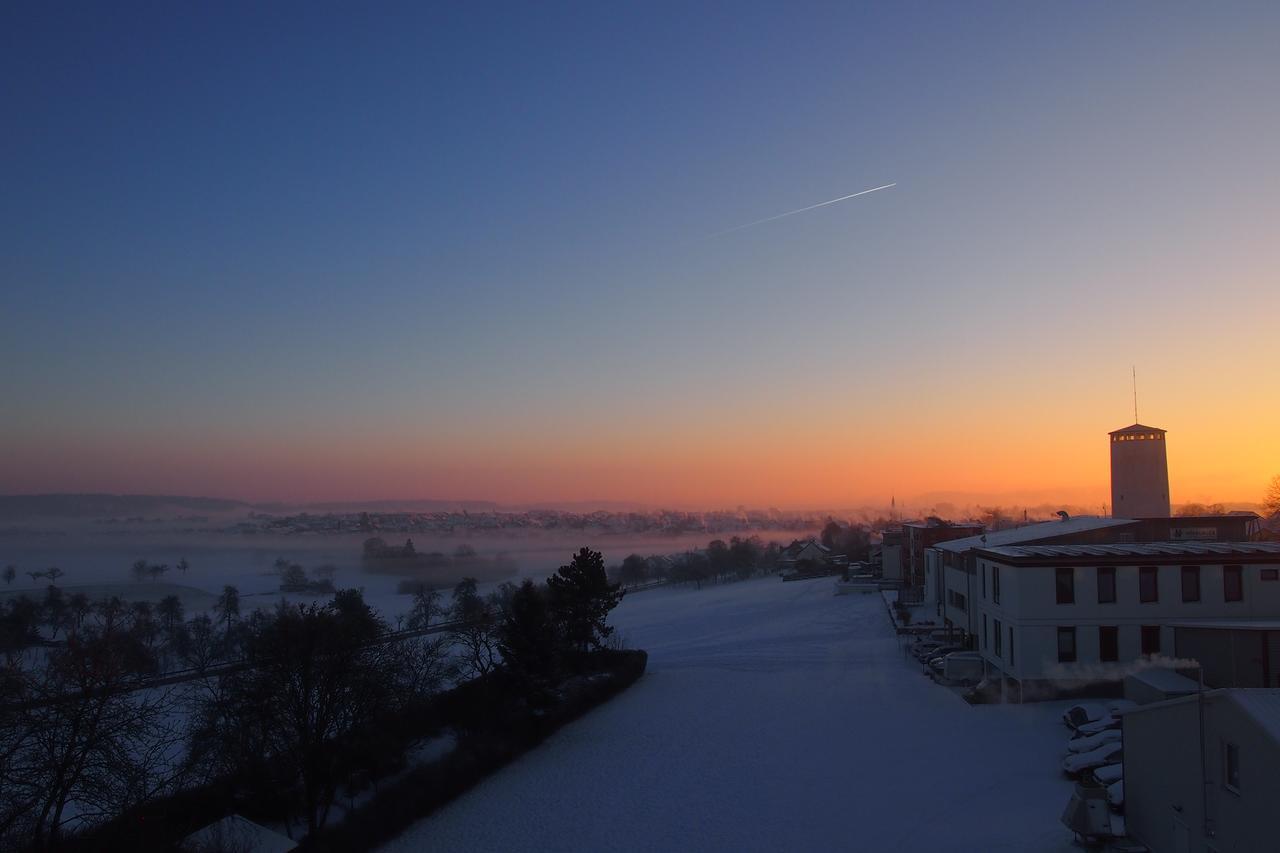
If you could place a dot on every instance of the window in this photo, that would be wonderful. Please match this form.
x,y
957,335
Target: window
x,y
1190,583
1066,645
1010,645
995,584
984,631
998,635
984,580
1107,585
1149,584
1233,583
1108,643
1231,765
1151,639
1271,574
1066,584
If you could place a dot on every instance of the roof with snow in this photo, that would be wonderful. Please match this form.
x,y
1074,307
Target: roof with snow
x,y
236,833
1033,532
1140,549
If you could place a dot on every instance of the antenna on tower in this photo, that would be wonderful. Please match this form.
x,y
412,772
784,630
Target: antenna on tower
x,y
1135,393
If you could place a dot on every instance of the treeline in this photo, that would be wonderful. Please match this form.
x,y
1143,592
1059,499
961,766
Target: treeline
x,y
324,703
738,559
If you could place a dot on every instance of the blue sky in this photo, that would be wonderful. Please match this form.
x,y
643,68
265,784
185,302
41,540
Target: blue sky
x,y
481,238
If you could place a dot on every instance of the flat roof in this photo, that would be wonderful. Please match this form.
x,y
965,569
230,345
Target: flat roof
x,y
1032,532
1138,549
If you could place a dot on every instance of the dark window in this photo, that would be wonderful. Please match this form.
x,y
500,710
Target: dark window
x,y
1151,639
1271,574
1190,583
1231,766
1233,583
1107,585
984,631
1066,645
984,581
1066,583
995,584
998,635
1108,643
1010,645
1148,584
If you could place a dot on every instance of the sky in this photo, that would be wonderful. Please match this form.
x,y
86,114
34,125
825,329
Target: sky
x,y
478,251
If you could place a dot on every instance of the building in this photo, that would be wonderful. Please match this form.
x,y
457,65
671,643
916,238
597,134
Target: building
x,y
805,554
1201,772
1139,473
919,536
1070,616
891,557
1233,653
952,572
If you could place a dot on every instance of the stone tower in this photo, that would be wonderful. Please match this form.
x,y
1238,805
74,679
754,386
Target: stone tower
x,y
1139,473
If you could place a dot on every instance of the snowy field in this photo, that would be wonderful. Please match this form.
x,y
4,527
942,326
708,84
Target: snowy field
x,y
773,717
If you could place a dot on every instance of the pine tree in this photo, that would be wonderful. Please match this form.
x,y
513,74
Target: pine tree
x,y
581,598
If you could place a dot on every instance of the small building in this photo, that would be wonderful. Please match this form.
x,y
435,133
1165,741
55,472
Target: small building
x,y
891,557
805,554
1070,616
919,536
1201,772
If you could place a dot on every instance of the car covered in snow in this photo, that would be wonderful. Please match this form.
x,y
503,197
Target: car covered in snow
x,y
1092,742
1115,795
939,653
1108,774
1078,762
1089,713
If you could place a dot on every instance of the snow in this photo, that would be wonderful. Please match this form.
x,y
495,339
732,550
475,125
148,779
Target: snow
x,y
773,717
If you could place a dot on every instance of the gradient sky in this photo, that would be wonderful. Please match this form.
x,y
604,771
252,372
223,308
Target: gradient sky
x,y
300,251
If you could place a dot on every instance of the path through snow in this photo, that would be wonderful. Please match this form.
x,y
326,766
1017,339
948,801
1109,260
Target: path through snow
x,y
773,717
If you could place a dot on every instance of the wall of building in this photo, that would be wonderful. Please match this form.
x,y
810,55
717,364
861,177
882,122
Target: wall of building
x,y
1029,604
1139,476
1232,658
891,560
1162,771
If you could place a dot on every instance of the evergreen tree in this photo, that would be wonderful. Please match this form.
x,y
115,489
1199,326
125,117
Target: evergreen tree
x,y
581,598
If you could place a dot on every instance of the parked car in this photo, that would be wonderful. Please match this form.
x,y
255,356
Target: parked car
x,y
1106,723
1089,743
926,649
1108,774
939,653
1086,712
1115,795
966,667
1078,762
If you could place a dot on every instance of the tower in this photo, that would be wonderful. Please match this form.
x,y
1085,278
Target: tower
x,y
1139,473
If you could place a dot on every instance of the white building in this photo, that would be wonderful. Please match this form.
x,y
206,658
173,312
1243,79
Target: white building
x,y
1201,773
1139,473
1075,614
951,572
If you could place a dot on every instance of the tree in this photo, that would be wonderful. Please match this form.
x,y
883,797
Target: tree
x,y
1271,502
426,606
170,612
182,565
53,573
634,569
10,572
529,641
228,607
83,747
140,570
78,606
474,630
55,610
581,599
157,570
295,718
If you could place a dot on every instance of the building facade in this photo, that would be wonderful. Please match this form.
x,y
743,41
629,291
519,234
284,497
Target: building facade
x,y
1067,616
1200,773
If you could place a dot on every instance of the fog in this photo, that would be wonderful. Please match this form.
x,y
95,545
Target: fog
x,y
93,558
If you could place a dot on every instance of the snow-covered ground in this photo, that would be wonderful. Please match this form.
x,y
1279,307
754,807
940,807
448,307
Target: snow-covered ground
x,y
773,717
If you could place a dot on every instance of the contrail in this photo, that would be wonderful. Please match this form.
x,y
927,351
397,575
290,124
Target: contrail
x,y
802,209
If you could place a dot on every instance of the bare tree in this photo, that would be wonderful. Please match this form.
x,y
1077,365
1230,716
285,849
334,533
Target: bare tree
x,y
10,572
1271,502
